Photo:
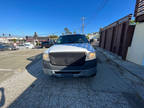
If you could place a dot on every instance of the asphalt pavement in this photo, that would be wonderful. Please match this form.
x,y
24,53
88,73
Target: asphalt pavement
x,y
28,87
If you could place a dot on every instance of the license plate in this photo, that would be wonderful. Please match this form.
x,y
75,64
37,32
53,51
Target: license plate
x,y
67,75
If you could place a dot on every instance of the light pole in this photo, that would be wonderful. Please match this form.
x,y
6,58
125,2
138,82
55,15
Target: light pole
x,y
83,19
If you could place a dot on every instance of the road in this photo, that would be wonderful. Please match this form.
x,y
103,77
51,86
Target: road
x,y
23,85
12,61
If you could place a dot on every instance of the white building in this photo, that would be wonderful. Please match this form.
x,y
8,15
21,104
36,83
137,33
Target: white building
x,y
94,35
11,39
4,40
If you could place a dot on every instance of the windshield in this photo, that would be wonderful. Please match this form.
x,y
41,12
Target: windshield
x,y
72,39
27,44
20,45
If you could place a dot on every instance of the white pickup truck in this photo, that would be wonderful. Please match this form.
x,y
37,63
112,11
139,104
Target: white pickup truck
x,y
72,55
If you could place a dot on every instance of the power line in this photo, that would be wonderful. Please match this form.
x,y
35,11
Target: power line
x,y
100,7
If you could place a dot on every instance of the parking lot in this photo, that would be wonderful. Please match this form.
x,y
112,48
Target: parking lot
x,y
23,85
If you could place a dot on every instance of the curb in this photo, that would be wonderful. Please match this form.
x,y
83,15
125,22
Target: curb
x,y
138,90
120,65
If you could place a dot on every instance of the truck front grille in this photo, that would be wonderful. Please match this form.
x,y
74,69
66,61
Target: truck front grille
x,y
67,59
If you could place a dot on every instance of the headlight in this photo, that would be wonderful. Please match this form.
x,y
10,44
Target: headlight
x,y
91,56
45,56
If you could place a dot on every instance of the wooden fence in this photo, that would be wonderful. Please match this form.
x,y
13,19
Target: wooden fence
x,y
117,36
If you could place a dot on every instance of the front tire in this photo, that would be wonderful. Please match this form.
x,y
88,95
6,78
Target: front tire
x,y
93,75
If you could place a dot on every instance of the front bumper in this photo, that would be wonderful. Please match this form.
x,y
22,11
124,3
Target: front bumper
x,y
88,69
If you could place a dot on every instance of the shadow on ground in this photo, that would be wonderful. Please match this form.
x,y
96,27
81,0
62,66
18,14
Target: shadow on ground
x,y
2,99
50,91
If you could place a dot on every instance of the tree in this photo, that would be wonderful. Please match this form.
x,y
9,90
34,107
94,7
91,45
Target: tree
x,y
87,37
35,35
88,34
67,31
132,22
53,36
14,40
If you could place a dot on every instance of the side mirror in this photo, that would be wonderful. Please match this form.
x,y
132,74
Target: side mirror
x,y
91,40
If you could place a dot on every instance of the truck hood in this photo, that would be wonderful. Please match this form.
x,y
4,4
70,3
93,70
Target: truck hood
x,y
79,47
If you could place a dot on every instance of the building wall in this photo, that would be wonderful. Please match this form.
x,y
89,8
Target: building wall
x,y
136,51
3,40
94,36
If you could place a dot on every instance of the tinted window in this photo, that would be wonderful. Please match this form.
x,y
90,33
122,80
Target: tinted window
x,y
45,42
27,44
72,39
21,45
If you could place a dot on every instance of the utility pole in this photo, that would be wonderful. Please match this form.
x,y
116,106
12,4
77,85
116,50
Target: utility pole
x,y
3,34
83,19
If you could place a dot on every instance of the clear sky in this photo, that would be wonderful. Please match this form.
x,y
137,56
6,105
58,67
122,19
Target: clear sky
x,y
24,17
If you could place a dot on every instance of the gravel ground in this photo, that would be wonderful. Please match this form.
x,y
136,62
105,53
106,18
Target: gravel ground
x,y
28,87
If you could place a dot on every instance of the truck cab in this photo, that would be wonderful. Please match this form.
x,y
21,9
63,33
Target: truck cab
x,y
72,55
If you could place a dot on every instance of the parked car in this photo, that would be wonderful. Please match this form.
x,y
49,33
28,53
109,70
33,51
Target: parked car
x,y
4,47
1,47
12,47
72,55
21,46
29,45
46,44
